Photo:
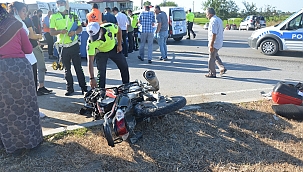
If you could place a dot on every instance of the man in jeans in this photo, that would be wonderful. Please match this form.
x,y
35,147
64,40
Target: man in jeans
x,y
146,20
162,31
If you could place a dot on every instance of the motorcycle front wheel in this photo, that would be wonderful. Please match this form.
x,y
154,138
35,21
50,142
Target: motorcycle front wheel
x,y
108,134
146,110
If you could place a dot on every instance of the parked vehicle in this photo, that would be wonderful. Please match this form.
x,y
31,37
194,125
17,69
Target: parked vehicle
x,y
176,22
77,8
287,35
39,5
206,26
124,106
253,22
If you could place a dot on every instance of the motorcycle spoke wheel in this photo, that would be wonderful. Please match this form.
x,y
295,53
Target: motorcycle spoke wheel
x,y
172,104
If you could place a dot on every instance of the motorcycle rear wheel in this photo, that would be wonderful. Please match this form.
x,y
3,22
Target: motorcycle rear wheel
x,y
175,104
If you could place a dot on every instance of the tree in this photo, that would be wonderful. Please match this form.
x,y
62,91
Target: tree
x,y
250,9
146,3
224,8
168,3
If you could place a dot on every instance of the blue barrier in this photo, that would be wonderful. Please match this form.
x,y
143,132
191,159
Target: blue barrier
x,y
84,38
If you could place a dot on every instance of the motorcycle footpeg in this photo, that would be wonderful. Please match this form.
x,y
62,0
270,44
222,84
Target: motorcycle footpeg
x,y
135,137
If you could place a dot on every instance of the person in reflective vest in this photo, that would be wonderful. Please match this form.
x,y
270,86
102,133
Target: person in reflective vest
x,y
101,46
95,15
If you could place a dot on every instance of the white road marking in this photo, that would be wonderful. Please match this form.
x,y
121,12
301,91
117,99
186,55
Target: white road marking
x,y
229,92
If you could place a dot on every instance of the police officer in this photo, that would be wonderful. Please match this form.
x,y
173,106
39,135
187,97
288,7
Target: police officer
x,y
134,24
190,22
103,39
60,25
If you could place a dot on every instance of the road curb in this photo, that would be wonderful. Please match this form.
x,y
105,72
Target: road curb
x,y
72,127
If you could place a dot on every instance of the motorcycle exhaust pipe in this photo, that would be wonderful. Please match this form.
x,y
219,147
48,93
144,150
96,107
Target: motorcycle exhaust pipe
x,y
152,79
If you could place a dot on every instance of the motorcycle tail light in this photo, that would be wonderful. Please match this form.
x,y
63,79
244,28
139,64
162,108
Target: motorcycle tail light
x,y
120,127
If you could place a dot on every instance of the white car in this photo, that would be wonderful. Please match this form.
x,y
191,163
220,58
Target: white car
x,y
206,26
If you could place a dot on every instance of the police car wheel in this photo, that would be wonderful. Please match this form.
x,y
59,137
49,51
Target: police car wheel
x,y
269,47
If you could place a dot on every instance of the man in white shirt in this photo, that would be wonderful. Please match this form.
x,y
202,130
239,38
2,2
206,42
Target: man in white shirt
x,y
215,42
122,23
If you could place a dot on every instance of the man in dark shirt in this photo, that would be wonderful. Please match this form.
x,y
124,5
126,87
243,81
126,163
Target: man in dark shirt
x,y
108,17
36,21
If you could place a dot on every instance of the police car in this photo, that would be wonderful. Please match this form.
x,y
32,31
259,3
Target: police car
x,y
287,35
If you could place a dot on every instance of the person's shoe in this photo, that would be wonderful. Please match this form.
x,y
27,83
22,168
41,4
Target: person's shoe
x,y
194,35
41,93
149,61
42,115
165,59
140,58
125,55
210,76
223,71
84,89
130,51
188,38
69,92
136,49
45,90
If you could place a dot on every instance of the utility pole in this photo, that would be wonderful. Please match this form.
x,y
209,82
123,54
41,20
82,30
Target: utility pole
x,y
141,4
193,6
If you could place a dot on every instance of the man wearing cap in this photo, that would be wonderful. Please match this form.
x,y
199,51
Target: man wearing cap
x,y
102,39
60,25
190,22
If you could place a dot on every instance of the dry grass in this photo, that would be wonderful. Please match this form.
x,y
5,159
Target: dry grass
x,y
217,137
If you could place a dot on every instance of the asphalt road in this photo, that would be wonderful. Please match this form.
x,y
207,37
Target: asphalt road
x,y
249,73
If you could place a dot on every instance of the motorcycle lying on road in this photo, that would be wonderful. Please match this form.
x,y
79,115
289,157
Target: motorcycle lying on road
x,y
125,106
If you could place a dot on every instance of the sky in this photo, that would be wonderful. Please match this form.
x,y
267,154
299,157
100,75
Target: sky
x,y
195,5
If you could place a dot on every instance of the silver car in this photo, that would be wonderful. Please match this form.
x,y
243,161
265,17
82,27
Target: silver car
x,y
252,22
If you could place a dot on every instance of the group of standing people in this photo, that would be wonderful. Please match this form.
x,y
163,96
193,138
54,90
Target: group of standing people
x,y
20,53
147,20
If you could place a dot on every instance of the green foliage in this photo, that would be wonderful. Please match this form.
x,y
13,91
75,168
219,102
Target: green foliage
x,y
224,8
228,9
168,3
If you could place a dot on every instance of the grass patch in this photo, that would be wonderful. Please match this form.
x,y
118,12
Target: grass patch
x,y
216,137
203,21
81,132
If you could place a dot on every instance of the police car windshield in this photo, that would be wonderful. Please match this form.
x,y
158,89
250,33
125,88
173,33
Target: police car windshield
x,y
285,21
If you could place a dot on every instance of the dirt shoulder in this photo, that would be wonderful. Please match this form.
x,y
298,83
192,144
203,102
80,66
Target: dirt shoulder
x,y
216,137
